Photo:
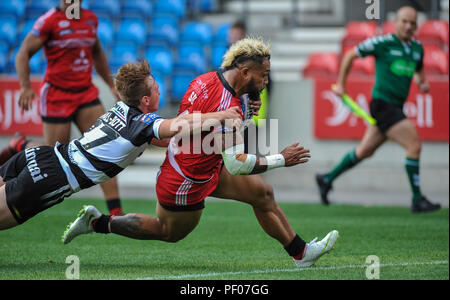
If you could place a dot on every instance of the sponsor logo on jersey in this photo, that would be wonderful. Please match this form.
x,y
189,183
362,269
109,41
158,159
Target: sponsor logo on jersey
x,y
149,118
64,24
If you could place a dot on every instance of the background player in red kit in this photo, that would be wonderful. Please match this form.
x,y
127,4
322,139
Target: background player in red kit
x,y
187,178
67,93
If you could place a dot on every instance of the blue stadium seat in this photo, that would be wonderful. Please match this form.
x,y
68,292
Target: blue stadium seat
x,y
175,7
109,8
8,29
37,62
14,8
217,53
142,8
181,79
221,34
191,57
37,8
197,32
105,32
162,89
134,29
160,58
4,50
208,5
24,30
123,53
164,30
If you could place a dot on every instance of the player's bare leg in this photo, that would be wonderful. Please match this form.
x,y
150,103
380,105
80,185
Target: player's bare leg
x,y
372,140
168,226
84,119
405,134
253,190
7,220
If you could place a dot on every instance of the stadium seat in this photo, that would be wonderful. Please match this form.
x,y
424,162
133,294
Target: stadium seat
x,y
8,29
4,50
141,8
388,27
181,79
191,57
37,8
105,32
217,53
221,34
122,53
24,30
171,7
434,32
363,67
196,32
15,8
164,29
358,31
160,58
436,61
162,89
109,8
134,29
322,65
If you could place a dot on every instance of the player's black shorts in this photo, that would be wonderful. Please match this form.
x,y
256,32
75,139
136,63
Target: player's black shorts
x,y
386,114
35,181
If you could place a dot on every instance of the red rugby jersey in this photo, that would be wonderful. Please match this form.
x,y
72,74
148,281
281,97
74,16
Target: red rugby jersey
x,y
207,93
68,48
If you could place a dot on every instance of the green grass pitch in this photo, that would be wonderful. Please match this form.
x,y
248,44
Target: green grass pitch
x,y
228,244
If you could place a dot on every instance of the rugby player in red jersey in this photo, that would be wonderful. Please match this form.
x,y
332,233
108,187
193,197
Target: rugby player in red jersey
x,y
67,93
191,172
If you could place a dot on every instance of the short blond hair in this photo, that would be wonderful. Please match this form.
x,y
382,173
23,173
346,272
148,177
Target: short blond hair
x,y
248,49
132,82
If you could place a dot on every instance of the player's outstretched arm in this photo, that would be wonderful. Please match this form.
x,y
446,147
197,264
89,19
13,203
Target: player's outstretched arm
x,y
190,123
238,162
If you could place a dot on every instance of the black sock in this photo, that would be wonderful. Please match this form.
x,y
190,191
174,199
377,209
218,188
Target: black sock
x,y
101,225
296,247
114,206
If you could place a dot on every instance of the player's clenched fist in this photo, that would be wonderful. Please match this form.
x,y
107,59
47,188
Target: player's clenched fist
x,y
295,154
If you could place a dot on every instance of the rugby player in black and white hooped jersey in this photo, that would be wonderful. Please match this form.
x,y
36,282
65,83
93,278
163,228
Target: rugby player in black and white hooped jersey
x,y
41,177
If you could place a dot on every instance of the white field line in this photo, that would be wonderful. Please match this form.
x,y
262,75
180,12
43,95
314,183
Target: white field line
x,y
218,274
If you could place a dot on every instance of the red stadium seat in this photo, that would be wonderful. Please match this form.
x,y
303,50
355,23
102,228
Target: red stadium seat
x,y
436,61
434,32
388,27
356,32
363,66
322,65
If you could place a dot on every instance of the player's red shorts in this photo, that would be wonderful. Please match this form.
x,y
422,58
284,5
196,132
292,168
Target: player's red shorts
x,y
176,193
60,106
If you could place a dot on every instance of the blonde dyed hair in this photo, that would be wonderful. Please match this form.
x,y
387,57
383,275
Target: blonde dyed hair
x,y
248,49
132,82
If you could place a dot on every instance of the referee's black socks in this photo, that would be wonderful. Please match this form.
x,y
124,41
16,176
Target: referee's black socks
x,y
114,207
296,248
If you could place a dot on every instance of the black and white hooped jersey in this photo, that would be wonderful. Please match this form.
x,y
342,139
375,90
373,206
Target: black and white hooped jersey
x,y
111,144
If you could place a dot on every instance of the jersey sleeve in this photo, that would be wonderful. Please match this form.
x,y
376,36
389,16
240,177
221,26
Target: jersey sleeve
x,y
144,128
42,28
370,47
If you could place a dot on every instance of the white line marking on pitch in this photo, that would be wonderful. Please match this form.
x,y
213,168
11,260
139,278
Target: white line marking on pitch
x,y
215,274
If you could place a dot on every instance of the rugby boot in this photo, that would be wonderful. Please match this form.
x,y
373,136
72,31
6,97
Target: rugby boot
x,y
314,250
423,205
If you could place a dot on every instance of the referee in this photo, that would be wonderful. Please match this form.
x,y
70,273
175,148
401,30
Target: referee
x,y
399,60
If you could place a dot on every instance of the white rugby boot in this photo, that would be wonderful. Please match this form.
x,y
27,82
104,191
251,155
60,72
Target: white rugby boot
x,y
314,250
82,225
